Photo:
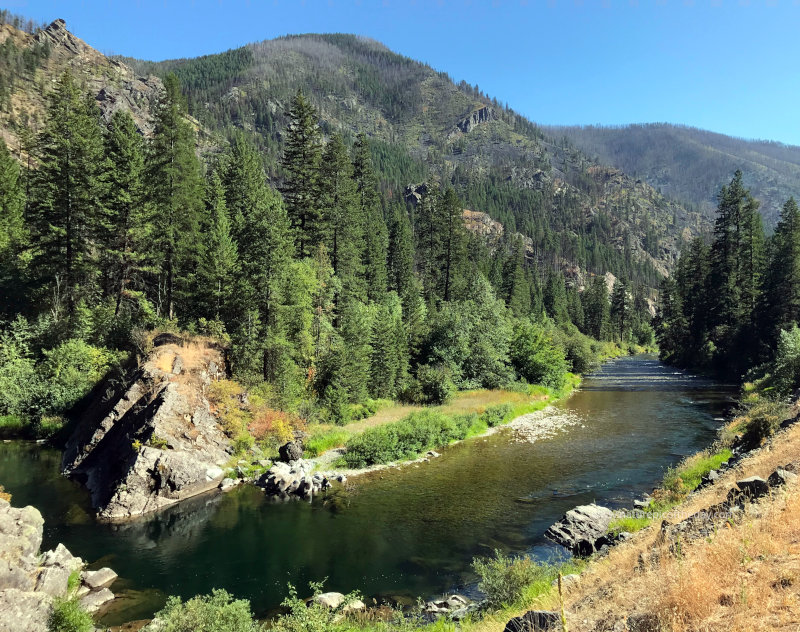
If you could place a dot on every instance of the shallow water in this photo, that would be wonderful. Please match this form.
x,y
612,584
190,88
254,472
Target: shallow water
x,y
399,533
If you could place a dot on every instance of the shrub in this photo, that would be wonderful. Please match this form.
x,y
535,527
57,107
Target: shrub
x,y
68,615
311,617
504,579
217,612
435,384
226,398
535,357
272,426
494,415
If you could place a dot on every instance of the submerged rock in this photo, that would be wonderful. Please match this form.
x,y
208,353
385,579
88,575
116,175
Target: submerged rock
x,y
581,529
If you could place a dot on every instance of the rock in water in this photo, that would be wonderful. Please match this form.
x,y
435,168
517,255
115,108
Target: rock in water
x,y
581,528
155,442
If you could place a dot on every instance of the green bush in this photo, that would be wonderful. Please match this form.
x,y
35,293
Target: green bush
x,y
217,612
407,438
494,415
535,356
435,384
504,579
311,616
11,426
68,615
786,366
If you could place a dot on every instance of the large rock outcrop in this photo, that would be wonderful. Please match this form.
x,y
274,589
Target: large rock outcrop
x,y
30,580
581,529
154,441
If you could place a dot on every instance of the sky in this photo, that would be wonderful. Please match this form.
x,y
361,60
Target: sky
x,y
731,66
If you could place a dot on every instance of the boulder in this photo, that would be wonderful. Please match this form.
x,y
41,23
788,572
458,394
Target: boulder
x,y
781,477
98,579
581,528
227,484
93,601
748,489
20,539
334,600
22,611
535,621
292,451
60,556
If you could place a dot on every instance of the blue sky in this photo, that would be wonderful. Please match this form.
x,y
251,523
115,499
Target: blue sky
x,y
731,66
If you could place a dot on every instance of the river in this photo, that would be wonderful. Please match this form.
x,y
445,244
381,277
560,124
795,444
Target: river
x,y
398,533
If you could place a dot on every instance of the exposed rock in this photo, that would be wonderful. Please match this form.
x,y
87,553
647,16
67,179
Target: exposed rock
x,y
748,489
480,115
227,484
535,621
96,580
581,528
447,606
334,600
781,477
292,451
646,622
29,582
155,441
285,481
95,599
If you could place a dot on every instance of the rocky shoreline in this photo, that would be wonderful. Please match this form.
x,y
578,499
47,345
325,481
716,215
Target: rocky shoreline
x,y
31,581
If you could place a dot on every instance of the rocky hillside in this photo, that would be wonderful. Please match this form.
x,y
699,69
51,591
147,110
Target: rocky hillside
x,y
422,125
154,441
691,165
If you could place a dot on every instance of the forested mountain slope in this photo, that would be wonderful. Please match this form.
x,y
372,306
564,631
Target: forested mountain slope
x,y
423,126
690,165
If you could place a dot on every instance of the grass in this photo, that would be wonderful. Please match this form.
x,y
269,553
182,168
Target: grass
x,y
326,439
11,426
629,524
687,476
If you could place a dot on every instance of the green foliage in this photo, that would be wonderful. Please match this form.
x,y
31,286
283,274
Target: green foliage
x,y
407,438
536,357
312,616
433,385
68,615
324,441
496,415
505,579
785,367
217,612
11,426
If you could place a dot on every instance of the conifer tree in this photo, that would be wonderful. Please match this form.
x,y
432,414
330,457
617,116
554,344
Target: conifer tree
x,y
301,160
175,186
401,254
555,298
452,258
66,195
374,225
596,308
342,218
219,265
127,224
514,283
389,362
13,232
621,309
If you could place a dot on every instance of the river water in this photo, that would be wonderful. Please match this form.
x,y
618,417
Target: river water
x,y
398,533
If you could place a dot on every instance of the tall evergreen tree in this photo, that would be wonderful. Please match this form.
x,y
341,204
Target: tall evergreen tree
x,y
175,186
127,223
301,159
13,232
66,194
621,309
401,254
342,217
555,298
375,232
514,283
452,258
596,308
219,265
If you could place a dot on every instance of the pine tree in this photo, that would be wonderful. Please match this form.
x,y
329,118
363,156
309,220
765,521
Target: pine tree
x,y
596,308
341,217
514,283
13,232
780,305
452,258
175,187
429,244
389,361
621,309
66,194
374,226
301,160
401,254
555,298
219,265
126,225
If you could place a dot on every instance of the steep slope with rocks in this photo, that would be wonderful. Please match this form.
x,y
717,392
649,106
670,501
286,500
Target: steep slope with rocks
x,y
154,441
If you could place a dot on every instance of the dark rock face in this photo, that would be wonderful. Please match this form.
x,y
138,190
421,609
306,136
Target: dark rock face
x,y
292,451
581,529
780,477
155,442
535,621
481,115
29,581
748,489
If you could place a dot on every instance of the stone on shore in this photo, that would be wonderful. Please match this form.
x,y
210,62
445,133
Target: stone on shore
x,y
581,528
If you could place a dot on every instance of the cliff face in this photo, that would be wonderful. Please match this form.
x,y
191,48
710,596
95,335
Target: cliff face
x,y
154,441
114,84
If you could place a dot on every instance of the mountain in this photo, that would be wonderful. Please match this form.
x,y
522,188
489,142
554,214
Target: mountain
x,y
577,213
690,164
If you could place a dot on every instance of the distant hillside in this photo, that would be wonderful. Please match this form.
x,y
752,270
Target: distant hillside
x,y
691,165
423,127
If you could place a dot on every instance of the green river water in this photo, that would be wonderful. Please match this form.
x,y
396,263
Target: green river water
x,y
401,533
